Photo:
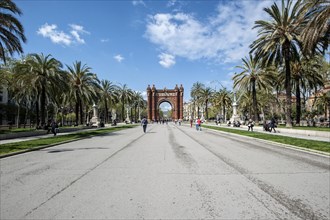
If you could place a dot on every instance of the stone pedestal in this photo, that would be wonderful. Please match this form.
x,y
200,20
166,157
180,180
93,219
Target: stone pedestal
x,y
127,120
234,117
95,122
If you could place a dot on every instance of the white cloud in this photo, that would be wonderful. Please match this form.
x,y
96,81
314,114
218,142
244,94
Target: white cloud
x,y
171,3
104,40
138,2
60,37
118,58
166,60
76,31
57,37
144,95
224,37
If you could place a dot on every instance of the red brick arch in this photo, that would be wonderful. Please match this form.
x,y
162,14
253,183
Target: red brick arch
x,y
157,96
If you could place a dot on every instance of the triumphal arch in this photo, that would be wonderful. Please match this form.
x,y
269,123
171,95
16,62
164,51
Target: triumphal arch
x,y
155,97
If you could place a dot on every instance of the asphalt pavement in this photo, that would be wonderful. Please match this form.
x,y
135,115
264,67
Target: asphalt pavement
x,y
171,172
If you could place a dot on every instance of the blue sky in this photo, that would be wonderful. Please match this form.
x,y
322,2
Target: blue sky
x,y
146,42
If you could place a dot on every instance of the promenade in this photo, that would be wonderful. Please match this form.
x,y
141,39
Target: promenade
x,y
303,134
171,172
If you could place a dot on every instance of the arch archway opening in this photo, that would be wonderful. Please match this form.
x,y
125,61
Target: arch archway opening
x,y
165,111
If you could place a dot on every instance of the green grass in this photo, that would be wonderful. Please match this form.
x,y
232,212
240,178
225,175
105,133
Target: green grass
x,y
307,128
26,145
302,143
16,130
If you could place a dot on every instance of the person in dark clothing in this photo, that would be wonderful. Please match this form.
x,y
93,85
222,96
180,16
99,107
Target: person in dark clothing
x,y
54,126
144,124
272,125
250,125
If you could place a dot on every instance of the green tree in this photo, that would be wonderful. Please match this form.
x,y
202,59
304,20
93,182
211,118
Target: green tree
x,y
306,75
222,99
11,30
83,86
323,102
206,96
316,34
138,102
196,94
125,96
109,95
42,73
252,77
278,41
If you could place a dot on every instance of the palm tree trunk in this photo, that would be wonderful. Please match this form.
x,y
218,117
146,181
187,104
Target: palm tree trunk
x,y
254,102
288,85
123,110
106,110
206,110
43,104
224,111
17,121
135,113
81,112
77,112
298,102
131,114
26,115
37,114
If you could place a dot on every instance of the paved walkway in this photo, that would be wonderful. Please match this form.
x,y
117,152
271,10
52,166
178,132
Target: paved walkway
x,y
14,140
170,172
280,131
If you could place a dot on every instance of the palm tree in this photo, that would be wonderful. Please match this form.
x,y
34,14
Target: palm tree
x,y
43,73
306,74
206,95
316,34
222,99
253,77
196,95
125,96
138,102
108,93
11,30
323,102
279,41
246,104
83,87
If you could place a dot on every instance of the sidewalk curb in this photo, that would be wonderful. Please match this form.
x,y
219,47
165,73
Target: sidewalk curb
x,y
38,148
45,146
319,153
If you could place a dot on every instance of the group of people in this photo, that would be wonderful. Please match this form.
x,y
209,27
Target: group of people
x,y
52,126
198,124
270,125
267,126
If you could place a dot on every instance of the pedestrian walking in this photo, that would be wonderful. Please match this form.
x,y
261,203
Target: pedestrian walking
x,y
250,125
272,125
191,123
144,124
54,128
198,124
